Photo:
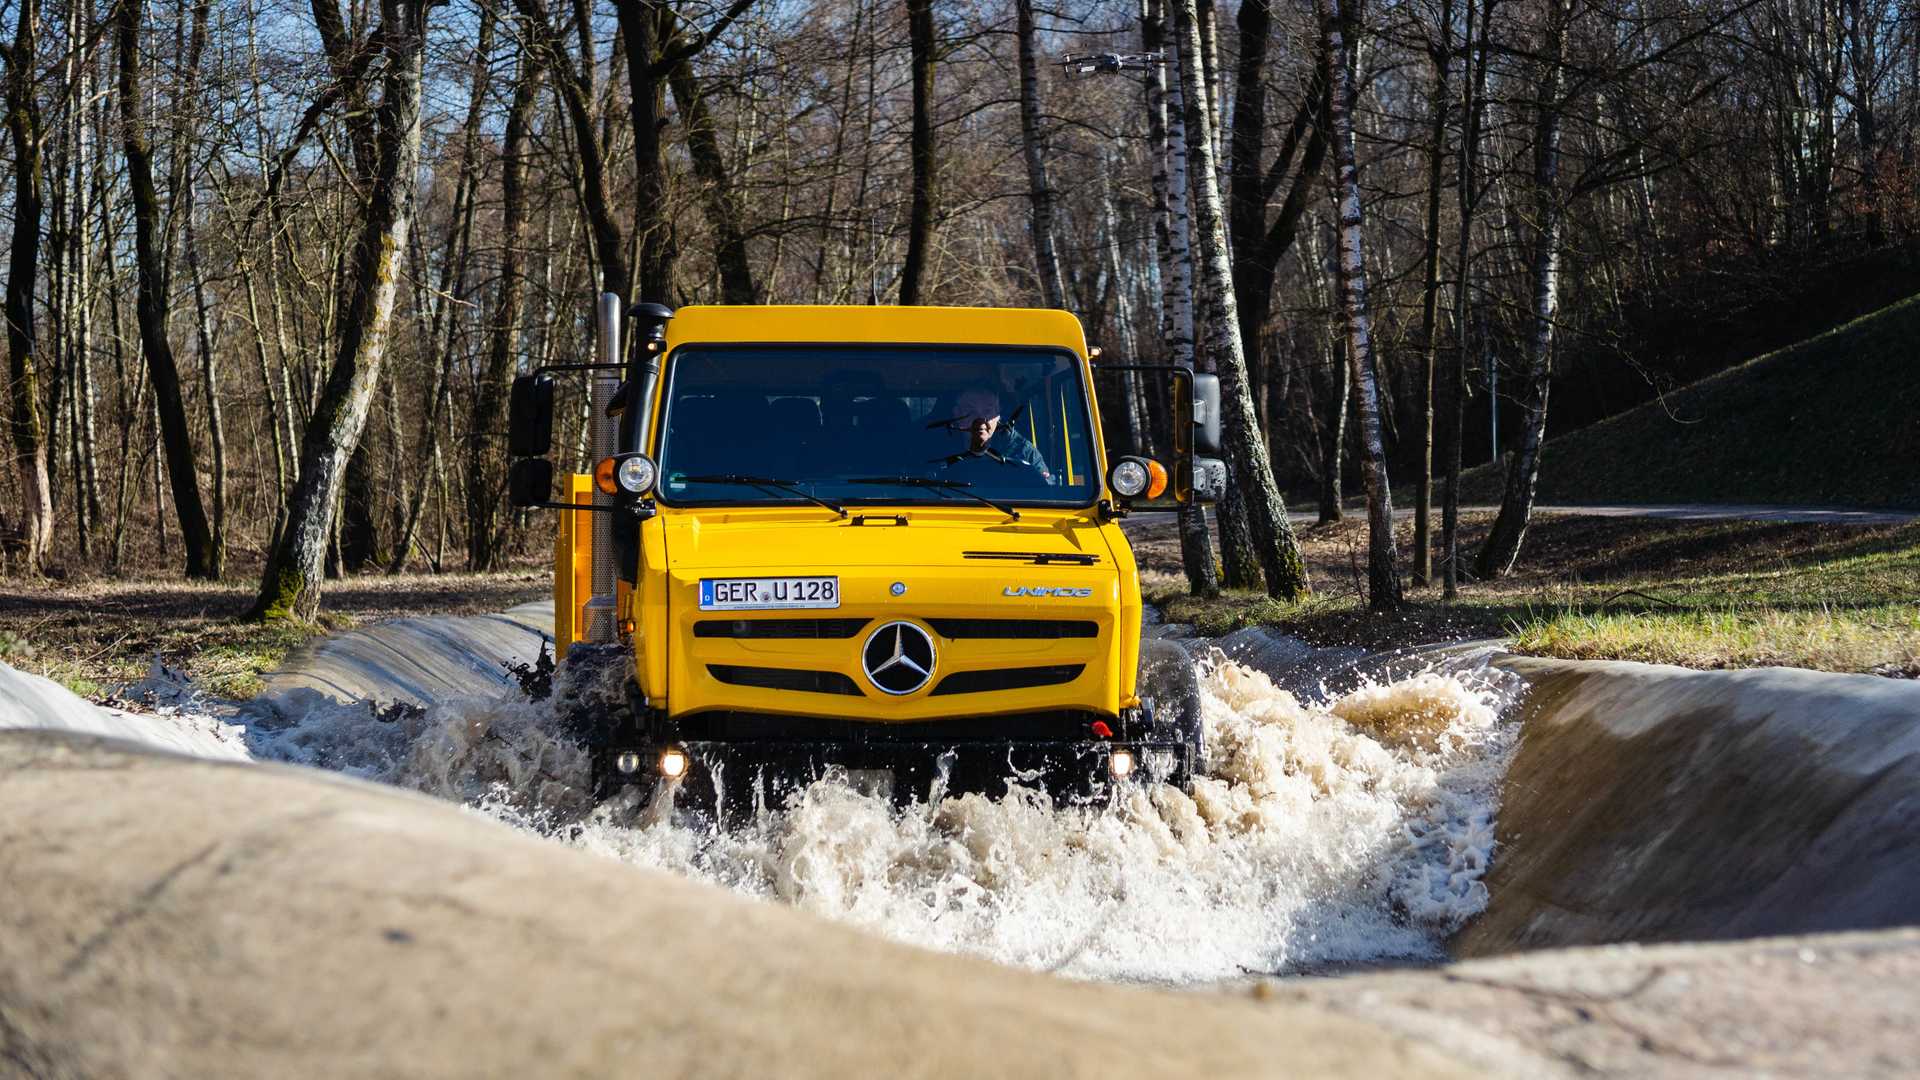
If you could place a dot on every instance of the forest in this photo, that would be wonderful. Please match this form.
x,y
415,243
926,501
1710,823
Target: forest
x,y
272,264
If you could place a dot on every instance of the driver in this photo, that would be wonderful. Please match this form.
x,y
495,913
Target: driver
x,y
976,412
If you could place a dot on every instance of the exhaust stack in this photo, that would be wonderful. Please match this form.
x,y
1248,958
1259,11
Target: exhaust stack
x,y
597,616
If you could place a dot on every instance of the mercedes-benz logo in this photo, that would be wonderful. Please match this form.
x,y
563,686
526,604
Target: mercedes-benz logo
x,y
898,658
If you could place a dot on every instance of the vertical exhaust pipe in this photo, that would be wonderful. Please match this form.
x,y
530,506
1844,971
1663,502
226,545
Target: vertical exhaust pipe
x,y
597,616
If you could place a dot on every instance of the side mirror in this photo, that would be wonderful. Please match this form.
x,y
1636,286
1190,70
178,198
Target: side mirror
x,y
530,420
530,482
1209,479
1196,408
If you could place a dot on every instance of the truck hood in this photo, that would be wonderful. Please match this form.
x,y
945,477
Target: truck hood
x,y
808,544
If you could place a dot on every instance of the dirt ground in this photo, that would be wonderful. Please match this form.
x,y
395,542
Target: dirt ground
x,y
97,634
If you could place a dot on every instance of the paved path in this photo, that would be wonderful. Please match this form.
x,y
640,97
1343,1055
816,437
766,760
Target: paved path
x,y
1839,515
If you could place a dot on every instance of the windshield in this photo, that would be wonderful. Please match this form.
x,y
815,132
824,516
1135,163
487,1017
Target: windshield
x,y
853,424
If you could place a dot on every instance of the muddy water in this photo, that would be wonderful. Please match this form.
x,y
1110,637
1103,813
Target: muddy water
x,y
1348,832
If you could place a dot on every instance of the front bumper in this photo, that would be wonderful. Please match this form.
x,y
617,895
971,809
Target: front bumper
x,y
742,775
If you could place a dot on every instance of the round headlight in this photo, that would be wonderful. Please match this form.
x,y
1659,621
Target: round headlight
x,y
1129,478
636,474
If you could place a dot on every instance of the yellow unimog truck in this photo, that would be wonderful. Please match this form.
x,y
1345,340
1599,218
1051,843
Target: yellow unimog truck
x,y
882,540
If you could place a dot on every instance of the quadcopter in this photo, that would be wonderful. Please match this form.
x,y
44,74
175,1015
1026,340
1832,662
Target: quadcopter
x,y
1110,63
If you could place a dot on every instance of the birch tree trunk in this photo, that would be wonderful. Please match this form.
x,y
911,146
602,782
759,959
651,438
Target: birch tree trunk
x,y
290,587
1281,562
920,151
1441,56
1472,80
1033,145
1502,547
80,17
1340,24
1173,231
24,421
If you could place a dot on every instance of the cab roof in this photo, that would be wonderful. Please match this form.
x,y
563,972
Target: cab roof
x,y
718,323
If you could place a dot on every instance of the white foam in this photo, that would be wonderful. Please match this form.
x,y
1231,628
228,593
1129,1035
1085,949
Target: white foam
x,y
30,701
1348,833
1355,831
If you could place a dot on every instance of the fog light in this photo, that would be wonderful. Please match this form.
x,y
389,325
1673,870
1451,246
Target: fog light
x,y
673,764
627,762
1120,764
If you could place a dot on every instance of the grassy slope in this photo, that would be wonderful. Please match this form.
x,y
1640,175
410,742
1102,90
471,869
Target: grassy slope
x,y
1833,420
1705,594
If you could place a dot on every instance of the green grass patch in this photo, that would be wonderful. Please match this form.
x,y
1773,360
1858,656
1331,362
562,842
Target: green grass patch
x,y
1829,421
1878,639
1695,594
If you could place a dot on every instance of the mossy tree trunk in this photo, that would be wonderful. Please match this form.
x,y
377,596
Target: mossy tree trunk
x,y
290,587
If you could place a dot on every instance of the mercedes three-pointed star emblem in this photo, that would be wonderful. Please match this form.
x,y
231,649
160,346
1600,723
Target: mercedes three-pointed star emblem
x,y
898,658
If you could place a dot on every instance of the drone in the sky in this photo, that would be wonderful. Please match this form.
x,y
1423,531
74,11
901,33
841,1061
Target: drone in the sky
x,y
1110,63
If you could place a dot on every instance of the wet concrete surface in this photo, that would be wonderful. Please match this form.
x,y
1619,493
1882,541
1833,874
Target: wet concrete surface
x,y
416,660
1837,1005
1644,804
275,921
1650,803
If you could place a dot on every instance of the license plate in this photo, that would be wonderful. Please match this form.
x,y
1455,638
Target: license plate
x,y
749,594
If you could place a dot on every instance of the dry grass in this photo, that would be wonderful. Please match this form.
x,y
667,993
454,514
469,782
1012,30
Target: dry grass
x,y
1698,594
95,635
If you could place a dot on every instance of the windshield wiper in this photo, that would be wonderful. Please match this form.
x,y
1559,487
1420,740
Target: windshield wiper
x,y
960,486
763,482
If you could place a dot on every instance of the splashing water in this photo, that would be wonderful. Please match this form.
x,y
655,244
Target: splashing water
x,y
1324,835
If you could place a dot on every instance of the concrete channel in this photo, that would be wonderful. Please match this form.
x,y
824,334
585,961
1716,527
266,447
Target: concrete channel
x,y
1696,873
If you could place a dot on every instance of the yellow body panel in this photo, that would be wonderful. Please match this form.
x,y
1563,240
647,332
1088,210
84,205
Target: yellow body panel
x,y
924,556
573,564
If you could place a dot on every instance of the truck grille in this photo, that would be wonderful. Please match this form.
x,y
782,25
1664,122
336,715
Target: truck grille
x,y
955,629
778,628
813,682
975,682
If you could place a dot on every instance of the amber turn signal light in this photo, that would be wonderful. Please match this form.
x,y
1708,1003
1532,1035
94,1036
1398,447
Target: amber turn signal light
x,y
1156,478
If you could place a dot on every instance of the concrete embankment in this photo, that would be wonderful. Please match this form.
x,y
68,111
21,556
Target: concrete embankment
x,y
1659,804
169,916
418,661
164,916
